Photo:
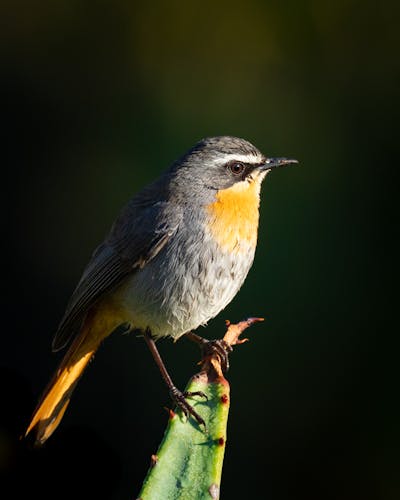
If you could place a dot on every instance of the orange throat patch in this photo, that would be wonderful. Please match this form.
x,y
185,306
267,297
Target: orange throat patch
x,y
233,217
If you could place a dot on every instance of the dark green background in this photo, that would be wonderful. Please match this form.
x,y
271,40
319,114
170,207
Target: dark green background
x,y
97,99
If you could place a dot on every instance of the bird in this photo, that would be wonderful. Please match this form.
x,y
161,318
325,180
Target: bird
x,y
174,258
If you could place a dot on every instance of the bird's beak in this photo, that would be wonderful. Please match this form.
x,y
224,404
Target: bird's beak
x,y
271,163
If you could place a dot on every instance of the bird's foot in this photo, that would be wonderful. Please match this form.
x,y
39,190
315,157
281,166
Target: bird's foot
x,y
219,347
179,398
210,347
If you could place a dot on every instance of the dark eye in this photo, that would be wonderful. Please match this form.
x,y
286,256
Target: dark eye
x,y
236,167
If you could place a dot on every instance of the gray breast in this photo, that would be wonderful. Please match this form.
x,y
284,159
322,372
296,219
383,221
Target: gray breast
x,y
189,282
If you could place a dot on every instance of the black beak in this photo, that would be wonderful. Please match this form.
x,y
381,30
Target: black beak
x,y
271,163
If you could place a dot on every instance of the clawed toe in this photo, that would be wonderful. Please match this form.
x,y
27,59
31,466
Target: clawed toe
x,y
219,347
189,394
179,398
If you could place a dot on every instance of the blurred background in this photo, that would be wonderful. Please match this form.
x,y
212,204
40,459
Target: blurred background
x,y
97,99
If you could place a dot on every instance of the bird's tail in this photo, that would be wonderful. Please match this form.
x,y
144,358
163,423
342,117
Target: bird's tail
x,y
56,397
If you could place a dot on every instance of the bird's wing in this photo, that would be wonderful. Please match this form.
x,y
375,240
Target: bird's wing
x,y
137,236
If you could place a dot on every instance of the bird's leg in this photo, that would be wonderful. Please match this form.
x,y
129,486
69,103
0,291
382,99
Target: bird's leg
x,y
209,347
178,397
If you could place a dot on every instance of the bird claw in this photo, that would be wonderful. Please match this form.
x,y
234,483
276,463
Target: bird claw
x,y
179,398
219,347
190,394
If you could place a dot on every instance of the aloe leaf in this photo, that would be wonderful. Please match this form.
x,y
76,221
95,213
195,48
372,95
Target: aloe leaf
x,y
188,463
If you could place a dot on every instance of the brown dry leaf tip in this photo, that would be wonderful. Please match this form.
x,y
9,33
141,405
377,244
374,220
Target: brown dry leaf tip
x,y
212,364
234,330
241,341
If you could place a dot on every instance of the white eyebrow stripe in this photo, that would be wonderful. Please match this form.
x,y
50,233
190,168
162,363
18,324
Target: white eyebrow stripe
x,y
252,159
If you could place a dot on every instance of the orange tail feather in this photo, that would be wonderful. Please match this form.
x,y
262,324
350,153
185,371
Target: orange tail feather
x,y
56,397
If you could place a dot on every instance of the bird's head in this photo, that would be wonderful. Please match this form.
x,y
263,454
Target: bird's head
x,y
224,163
223,175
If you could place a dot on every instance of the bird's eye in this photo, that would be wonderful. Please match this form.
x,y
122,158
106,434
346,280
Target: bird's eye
x,y
236,167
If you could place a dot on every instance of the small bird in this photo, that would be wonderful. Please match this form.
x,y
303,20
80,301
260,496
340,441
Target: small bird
x,y
176,256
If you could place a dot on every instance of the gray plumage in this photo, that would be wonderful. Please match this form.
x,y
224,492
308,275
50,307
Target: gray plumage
x,y
154,235
174,258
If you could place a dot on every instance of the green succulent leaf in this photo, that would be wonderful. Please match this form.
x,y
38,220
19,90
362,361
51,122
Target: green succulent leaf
x,y
188,463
